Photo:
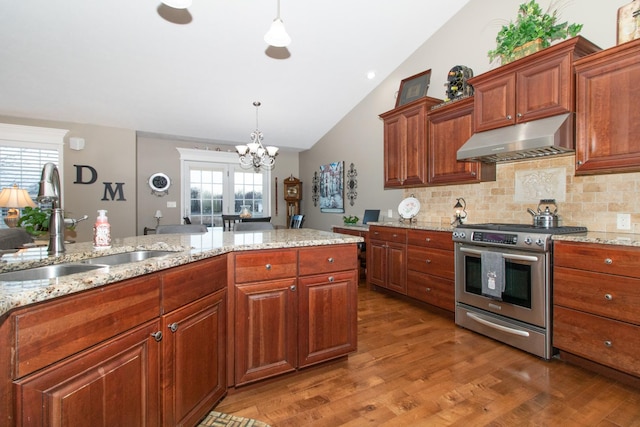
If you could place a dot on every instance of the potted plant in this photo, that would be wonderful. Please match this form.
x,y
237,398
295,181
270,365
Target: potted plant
x,y
350,220
534,26
35,220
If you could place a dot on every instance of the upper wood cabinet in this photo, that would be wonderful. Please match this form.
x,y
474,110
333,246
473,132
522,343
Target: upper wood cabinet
x,y
536,86
449,128
608,111
405,144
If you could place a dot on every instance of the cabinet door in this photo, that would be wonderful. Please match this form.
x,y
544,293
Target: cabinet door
x,y
327,316
394,147
495,102
114,384
545,89
266,329
449,128
397,268
608,111
377,263
415,147
194,359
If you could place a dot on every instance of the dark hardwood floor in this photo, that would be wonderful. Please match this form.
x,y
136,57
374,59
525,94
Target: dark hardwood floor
x,y
415,368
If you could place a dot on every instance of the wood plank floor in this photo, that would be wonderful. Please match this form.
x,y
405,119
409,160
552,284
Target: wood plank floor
x,y
415,368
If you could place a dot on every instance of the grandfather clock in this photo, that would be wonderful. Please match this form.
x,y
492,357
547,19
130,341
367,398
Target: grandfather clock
x,y
292,195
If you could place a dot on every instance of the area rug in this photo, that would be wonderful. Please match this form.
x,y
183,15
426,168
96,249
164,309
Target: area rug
x,y
218,419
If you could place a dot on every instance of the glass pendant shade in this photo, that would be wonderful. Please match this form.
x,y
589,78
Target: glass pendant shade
x,y
178,4
277,35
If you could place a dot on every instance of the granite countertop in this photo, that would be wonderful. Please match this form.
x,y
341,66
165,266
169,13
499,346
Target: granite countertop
x,y
187,248
600,237
430,226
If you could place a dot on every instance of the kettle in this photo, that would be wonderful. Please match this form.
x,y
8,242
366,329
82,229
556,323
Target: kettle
x,y
546,218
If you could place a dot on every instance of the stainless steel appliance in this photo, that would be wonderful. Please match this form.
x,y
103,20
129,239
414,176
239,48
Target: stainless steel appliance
x,y
520,315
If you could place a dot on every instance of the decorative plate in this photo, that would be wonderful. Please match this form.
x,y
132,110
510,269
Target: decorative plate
x,y
409,207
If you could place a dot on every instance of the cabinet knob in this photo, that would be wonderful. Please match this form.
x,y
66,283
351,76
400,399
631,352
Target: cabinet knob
x,y
519,115
608,297
330,260
509,117
428,289
331,279
427,239
608,343
157,336
428,261
579,162
268,266
173,327
292,288
608,261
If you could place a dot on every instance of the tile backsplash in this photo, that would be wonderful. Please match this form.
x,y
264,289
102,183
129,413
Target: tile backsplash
x,y
591,201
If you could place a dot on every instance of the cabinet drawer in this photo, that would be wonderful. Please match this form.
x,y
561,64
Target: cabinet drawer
x,y
55,330
253,266
389,234
431,239
620,260
328,258
596,338
611,296
431,261
182,285
431,289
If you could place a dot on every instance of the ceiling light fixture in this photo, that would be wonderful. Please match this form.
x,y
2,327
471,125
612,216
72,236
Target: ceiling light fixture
x,y
277,36
177,4
255,154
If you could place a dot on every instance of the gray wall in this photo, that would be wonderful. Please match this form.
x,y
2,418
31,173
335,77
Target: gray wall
x,y
464,40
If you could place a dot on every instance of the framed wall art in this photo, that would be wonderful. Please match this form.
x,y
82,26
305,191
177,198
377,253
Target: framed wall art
x,y
332,188
413,87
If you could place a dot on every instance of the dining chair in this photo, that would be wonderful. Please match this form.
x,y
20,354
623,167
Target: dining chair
x,y
257,219
229,221
253,226
181,229
296,221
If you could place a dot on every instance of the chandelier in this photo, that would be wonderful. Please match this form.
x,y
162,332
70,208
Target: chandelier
x,y
255,154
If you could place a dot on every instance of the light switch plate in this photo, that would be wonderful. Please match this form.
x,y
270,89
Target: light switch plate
x,y
171,204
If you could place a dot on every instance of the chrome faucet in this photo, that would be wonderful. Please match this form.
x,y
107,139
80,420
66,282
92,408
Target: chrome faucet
x,y
50,192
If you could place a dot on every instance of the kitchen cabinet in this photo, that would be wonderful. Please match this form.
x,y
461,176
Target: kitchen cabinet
x,y
537,86
362,247
146,351
387,258
608,112
405,144
596,294
293,308
450,127
430,268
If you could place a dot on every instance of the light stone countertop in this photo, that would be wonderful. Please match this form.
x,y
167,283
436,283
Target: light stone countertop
x,y
430,226
603,238
188,248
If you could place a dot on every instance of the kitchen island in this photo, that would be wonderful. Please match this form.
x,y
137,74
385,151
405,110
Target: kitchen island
x,y
159,341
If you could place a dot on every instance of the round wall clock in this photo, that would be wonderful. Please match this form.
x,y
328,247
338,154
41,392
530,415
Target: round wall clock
x,y
159,183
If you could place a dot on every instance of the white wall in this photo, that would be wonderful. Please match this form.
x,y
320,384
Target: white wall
x,y
464,40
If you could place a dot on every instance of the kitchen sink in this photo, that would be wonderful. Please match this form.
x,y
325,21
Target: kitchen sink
x,y
126,257
47,272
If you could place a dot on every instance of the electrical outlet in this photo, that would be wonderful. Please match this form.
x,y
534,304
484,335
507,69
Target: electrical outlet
x,y
624,221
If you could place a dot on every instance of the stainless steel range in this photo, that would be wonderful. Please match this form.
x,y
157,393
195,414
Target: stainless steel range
x,y
503,282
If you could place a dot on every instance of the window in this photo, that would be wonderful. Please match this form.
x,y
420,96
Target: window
x,y
214,184
23,152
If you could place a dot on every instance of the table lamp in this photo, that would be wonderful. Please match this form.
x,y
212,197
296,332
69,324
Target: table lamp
x,y
157,216
14,198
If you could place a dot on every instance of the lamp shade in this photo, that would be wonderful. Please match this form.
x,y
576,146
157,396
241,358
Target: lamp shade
x,y
277,36
158,214
15,197
177,4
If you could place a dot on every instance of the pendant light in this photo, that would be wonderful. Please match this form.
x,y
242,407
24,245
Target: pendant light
x,y
277,36
177,4
255,155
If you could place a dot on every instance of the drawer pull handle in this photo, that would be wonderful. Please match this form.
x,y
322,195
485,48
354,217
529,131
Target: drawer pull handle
x,y
331,279
268,266
428,239
608,261
395,235
330,260
292,288
608,297
157,336
608,343
173,327
428,261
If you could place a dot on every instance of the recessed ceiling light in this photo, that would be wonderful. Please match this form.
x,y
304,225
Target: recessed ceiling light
x,y
371,75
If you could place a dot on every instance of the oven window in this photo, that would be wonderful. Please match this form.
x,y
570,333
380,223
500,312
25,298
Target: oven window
x,y
517,281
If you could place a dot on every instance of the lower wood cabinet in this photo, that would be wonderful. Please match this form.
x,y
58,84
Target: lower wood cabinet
x,y
114,384
596,293
387,258
293,318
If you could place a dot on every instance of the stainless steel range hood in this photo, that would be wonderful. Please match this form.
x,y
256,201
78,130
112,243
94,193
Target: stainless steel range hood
x,y
538,138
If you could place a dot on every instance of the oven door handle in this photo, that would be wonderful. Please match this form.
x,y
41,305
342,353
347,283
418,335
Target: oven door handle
x,y
498,327
505,256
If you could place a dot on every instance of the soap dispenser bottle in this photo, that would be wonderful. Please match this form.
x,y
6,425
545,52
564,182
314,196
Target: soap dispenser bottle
x,y
102,231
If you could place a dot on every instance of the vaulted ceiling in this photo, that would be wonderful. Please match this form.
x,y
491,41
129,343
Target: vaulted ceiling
x,y
196,73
